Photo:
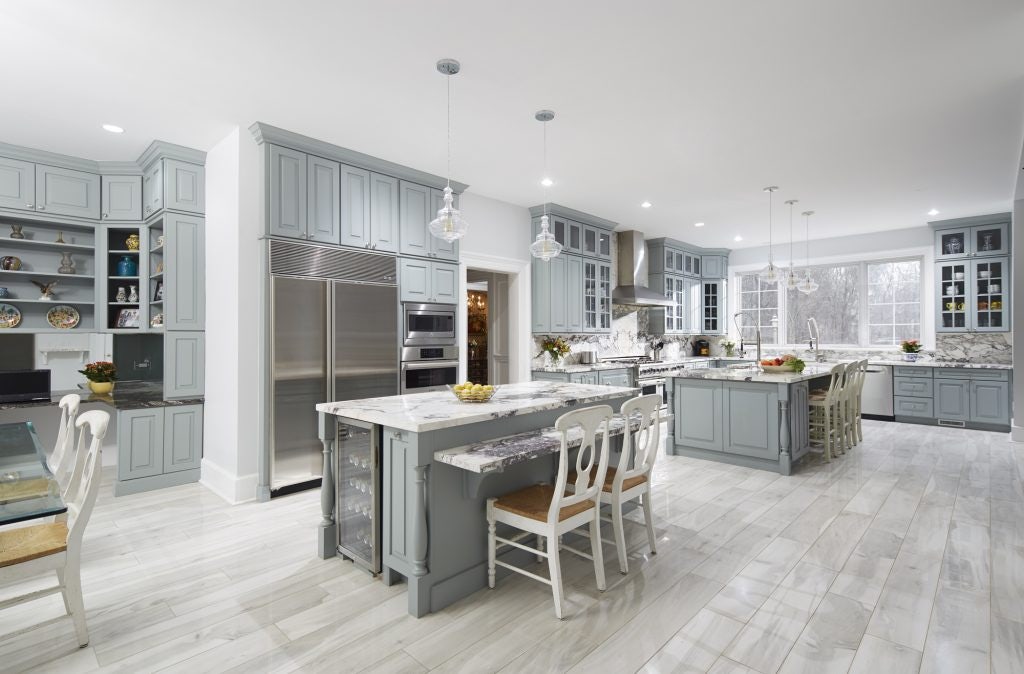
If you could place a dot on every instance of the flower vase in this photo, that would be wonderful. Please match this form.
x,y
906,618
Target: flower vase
x,y
910,357
729,351
553,361
101,386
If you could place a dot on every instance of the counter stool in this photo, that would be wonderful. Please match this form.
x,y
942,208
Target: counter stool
x,y
855,399
826,413
548,511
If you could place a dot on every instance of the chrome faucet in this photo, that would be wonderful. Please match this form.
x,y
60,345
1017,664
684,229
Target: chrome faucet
x,y
757,336
815,339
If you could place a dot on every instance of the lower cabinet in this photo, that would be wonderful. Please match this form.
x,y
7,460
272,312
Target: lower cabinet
x,y
614,378
155,443
952,399
952,396
751,420
617,377
184,364
990,402
698,415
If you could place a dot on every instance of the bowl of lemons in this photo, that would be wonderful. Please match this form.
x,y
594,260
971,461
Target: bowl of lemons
x,y
473,393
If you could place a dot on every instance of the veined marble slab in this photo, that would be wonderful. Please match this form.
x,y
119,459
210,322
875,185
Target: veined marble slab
x,y
495,455
943,363
753,375
573,369
422,412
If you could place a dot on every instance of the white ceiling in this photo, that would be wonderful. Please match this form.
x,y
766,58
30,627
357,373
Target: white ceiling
x,y
869,112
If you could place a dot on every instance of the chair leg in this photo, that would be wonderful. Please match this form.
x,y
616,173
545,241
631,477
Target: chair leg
x,y
490,543
828,435
73,596
620,537
595,549
540,548
555,569
645,501
63,594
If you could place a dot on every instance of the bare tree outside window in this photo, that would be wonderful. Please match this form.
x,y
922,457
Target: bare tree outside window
x,y
759,302
894,302
835,306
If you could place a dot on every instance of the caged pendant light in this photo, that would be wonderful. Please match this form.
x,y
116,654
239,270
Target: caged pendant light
x,y
807,284
448,224
792,280
546,246
770,274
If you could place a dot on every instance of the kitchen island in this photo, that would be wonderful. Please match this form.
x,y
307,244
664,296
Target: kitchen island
x,y
742,416
439,461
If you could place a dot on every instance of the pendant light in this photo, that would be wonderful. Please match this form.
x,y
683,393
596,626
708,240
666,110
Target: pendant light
x,y
770,274
807,284
545,247
792,280
448,224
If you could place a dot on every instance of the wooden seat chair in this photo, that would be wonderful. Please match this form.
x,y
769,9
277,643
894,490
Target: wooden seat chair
x,y
856,427
57,546
549,511
826,413
62,461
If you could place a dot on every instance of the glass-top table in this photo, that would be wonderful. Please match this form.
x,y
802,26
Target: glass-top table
x,y
27,487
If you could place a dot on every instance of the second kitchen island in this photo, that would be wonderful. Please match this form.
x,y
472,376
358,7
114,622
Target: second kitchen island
x,y
406,478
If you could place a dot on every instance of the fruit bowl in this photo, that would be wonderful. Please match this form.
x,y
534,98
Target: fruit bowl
x,y
473,395
777,369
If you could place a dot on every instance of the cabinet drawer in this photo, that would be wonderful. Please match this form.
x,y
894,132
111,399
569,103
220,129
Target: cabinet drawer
x,y
965,373
917,387
911,371
913,407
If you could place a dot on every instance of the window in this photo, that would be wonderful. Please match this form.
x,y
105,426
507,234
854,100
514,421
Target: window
x,y
856,304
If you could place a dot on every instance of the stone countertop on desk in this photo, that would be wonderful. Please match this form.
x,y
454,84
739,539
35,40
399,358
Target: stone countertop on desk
x,y
436,410
126,396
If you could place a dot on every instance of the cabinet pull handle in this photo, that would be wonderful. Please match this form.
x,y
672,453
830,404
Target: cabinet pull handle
x,y
41,208
105,215
30,205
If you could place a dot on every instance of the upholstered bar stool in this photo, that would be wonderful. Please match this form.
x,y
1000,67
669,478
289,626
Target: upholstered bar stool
x,y
549,511
826,413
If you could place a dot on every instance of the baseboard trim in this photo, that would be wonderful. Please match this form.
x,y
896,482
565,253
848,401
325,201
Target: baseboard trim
x,y
234,489
1017,433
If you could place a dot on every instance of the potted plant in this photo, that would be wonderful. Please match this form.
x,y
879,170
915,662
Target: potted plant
x,y
728,345
556,348
910,348
101,376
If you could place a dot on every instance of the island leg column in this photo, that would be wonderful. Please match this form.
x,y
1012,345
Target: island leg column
x,y
785,454
419,599
326,535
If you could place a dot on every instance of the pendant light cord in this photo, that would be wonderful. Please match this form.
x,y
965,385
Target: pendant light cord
x,y
449,78
771,259
544,177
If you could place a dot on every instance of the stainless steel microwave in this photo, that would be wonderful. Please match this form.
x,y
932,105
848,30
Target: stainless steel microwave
x,y
429,324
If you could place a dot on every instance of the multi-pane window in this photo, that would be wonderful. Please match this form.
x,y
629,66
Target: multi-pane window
x,y
856,304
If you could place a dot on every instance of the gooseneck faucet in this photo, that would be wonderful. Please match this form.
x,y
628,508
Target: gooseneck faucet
x,y
757,335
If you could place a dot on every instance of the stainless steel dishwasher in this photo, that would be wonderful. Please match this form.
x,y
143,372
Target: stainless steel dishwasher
x,y
876,398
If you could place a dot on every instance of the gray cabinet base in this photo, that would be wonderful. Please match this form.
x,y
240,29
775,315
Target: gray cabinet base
x,y
141,484
776,466
970,425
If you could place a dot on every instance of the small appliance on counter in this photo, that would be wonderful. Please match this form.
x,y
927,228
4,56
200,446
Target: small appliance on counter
x,y
588,357
701,347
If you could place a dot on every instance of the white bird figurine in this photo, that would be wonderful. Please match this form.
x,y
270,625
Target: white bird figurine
x,y
46,289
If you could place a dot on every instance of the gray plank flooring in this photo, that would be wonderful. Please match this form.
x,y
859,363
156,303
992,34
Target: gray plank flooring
x,y
905,555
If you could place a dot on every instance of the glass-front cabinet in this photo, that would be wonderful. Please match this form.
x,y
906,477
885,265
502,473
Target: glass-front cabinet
x,y
974,295
975,241
714,307
954,296
597,296
590,295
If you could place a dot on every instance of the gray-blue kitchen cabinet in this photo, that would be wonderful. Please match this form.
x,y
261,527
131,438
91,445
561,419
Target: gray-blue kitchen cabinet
x,y
287,192
439,248
384,214
121,198
698,415
183,437
557,303
952,399
540,291
140,441
614,378
184,186
184,364
61,191
426,281
751,420
184,272
356,207
990,402
153,188
323,200
414,237
17,184
573,293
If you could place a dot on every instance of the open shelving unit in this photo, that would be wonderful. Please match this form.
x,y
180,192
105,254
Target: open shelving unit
x,y
118,254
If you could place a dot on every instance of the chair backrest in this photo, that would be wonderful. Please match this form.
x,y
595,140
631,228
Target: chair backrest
x,y
591,460
862,373
836,384
85,482
640,448
62,461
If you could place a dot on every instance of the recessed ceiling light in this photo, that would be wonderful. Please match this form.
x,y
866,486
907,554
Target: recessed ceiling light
x,y
698,224
737,238
645,204
547,182
113,128
934,211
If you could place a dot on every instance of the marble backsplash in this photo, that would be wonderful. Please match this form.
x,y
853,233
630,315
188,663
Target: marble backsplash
x,y
975,347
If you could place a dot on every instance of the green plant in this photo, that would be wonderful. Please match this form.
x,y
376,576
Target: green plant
x,y
101,370
556,346
910,346
796,365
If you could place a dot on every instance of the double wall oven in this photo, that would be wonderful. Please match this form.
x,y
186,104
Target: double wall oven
x,y
430,358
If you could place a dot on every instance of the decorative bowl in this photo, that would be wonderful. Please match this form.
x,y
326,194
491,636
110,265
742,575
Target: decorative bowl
x,y
777,369
471,396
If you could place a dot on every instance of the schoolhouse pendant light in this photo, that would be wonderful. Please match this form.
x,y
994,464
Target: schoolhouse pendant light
x,y
792,280
545,247
448,224
770,274
807,284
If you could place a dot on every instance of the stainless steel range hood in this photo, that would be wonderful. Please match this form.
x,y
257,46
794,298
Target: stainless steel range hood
x,y
632,289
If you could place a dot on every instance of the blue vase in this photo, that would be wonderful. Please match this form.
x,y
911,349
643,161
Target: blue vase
x,y
127,267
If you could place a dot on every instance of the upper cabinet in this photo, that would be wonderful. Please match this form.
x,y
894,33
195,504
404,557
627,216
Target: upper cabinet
x,y
121,198
173,185
323,200
439,248
714,266
287,197
384,212
426,281
61,191
153,189
184,272
973,274
597,242
984,236
418,205
17,184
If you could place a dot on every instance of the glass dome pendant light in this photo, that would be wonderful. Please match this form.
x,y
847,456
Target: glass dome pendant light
x,y
807,284
448,224
770,274
545,247
792,280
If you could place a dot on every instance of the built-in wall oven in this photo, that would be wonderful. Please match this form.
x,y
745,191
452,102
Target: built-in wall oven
x,y
429,324
429,368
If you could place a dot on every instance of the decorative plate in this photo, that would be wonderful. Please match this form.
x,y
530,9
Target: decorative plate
x,y
63,317
10,316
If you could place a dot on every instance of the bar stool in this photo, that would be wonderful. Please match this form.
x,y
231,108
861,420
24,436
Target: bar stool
x,y
548,511
862,374
826,412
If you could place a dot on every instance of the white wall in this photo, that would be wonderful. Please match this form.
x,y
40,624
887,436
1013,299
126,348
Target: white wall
x,y
496,228
1017,238
875,243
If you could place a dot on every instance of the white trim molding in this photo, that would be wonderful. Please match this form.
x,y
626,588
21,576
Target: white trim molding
x,y
234,489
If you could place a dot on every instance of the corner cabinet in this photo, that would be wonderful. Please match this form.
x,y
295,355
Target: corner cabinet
x,y
173,185
121,198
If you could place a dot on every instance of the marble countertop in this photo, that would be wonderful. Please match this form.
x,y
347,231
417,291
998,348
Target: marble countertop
x,y
422,412
495,455
940,363
812,371
127,395
572,369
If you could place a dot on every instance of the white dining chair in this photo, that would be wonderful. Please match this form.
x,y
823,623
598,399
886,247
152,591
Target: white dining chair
x,y
57,546
549,511
62,461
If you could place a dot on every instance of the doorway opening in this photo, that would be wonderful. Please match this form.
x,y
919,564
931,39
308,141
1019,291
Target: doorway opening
x,y
487,327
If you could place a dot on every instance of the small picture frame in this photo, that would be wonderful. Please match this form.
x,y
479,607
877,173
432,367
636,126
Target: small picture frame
x,y
128,318
158,294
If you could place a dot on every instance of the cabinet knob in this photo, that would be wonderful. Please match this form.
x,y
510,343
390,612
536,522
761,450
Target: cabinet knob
x,y
40,208
106,215
30,205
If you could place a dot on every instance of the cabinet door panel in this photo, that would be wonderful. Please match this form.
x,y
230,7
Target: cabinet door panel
x,y
951,243
444,282
441,249
698,414
414,217
540,291
121,197
153,189
323,201
751,421
614,377
17,184
140,440
952,399
184,364
559,322
573,293
184,186
184,273
355,207
384,220
990,294
989,240
287,192
990,402
414,280
953,291
61,191
183,437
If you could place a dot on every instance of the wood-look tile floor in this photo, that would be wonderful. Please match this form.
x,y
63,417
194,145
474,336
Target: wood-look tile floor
x,y
905,555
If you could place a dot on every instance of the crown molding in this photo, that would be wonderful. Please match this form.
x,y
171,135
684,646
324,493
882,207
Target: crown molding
x,y
572,214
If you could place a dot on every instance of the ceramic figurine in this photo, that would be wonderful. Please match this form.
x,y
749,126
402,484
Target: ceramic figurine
x,y
127,266
121,296
159,267
16,232
160,241
133,293
67,266
4,292
60,238
132,242
157,321
46,289
10,263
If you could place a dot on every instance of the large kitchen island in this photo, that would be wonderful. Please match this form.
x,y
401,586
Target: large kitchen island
x,y
433,462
